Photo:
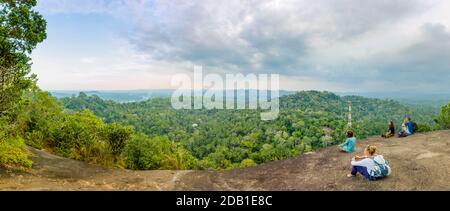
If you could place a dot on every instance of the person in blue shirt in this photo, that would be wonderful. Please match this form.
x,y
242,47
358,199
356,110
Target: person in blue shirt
x,y
410,126
349,144
405,129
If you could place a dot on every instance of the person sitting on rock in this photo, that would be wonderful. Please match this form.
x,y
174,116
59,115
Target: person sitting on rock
x,y
349,144
412,126
391,131
370,165
407,125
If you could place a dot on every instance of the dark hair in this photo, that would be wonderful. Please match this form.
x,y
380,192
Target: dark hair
x,y
391,124
350,134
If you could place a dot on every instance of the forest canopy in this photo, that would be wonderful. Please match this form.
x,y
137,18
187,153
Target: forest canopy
x,y
223,139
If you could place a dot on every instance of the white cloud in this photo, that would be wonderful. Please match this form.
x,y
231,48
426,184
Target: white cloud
x,y
88,60
340,43
81,6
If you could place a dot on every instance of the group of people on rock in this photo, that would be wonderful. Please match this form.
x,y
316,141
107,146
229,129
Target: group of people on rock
x,y
372,165
408,128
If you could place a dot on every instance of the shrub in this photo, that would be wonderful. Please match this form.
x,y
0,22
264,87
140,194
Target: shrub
x,y
13,154
39,114
79,136
35,139
116,135
207,164
181,159
423,128
247,163
443,120
145,153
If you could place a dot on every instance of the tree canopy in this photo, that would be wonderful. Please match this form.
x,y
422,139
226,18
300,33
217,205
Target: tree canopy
x,y
221,139
21,29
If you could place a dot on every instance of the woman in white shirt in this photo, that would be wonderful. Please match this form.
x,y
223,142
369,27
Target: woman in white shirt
x,y
364,164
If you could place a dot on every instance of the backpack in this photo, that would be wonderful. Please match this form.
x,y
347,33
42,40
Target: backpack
x,y
382,168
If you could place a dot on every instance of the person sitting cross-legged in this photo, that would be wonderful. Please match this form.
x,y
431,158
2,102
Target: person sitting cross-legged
x,y
391,131
349,144
406,128
372,166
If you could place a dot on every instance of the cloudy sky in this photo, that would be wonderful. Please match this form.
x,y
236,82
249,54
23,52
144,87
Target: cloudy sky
x,y
336,45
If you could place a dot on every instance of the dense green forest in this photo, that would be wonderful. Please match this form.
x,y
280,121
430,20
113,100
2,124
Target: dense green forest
x,y
221,139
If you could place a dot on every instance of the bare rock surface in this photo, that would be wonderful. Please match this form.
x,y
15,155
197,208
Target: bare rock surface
x,y
419,162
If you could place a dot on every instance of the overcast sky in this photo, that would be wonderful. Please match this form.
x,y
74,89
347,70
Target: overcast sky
x,y
335,45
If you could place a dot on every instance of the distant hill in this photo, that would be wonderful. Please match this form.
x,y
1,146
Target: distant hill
x,y
422,99
118,96
435,100
129,95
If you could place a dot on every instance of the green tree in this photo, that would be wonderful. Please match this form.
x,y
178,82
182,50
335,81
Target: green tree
x,y
79,136
38,115
117,135
145,153
444,117
21,29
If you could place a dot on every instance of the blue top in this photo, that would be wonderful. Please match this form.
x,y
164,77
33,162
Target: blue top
x,y
349,145
410,127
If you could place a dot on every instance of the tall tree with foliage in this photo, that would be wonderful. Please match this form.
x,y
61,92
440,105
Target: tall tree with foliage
x,y
21,29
